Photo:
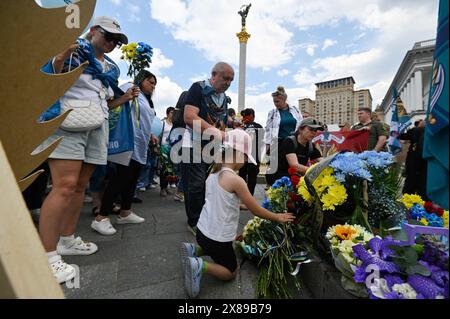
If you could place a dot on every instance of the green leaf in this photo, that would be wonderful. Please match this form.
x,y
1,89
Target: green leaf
x,y
418,269
399,235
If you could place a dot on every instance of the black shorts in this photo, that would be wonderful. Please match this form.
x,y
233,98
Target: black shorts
x,y
222,253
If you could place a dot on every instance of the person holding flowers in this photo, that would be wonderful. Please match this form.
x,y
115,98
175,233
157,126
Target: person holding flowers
x,y
297,150
124,180
219,218
74,160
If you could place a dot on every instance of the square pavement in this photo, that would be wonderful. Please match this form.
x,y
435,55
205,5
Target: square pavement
x,y
143,260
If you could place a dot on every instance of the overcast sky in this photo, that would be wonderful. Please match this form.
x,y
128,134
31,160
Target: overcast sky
x,y
294,43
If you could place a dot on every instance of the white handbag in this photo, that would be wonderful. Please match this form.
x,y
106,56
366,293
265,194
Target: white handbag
x,y
85,116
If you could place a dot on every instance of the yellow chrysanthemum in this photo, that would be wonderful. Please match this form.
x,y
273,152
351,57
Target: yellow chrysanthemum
x,y
410,200
336,195
445,216
304,193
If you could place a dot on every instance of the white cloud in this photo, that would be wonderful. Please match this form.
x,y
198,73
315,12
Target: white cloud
x,y
393,27
166,94
198,77
310,49
256,88
215,34
134,8
116,2
283,72
328,43
159,62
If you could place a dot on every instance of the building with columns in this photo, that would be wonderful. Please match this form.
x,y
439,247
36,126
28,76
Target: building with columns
x,y
336,102
412,82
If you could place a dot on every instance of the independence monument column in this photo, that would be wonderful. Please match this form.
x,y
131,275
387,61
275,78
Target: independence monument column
x,y
243,38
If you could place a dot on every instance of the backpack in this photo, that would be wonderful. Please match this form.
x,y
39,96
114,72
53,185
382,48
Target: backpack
x,y
178,113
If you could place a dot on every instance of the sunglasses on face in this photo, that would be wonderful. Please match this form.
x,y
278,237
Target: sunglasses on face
x,y
110,37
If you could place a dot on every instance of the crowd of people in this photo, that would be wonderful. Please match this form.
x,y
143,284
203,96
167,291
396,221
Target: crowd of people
x,y
215,177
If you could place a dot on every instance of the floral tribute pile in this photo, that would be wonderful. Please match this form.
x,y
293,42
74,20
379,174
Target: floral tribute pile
x,y
362,192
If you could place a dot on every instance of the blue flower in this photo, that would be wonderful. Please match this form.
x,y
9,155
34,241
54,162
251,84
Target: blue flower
x,y
282,182
350,164
266,204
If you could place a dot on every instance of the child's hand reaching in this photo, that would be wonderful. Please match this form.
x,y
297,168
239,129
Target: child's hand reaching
x,y
286,217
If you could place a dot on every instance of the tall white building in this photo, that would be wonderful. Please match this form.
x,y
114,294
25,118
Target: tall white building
x,y
336,102
412,81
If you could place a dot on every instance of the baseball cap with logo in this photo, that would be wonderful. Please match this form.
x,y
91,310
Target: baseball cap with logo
x,y
241,141
110,25
312,123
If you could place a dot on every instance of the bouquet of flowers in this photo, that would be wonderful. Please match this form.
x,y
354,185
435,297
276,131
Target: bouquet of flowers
x,y
391,270
425,213
342,238
359,188
139,56
274,245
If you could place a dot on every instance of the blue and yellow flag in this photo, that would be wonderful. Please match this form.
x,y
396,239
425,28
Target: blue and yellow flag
x,y
436,131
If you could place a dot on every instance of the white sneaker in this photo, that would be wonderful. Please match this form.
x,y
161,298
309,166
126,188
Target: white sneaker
x,y
130,219
88,199
76,247
104,227
62,271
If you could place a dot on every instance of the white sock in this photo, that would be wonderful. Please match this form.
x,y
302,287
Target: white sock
x,y
66,239
51,254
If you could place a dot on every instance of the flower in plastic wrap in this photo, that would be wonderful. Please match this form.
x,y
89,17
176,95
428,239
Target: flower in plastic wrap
x,y
410,200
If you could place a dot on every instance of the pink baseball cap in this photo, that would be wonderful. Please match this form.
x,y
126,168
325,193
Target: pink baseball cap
x,y
241,141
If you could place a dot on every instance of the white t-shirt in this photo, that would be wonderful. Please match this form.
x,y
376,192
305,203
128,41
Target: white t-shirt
x,y
167,127
87,88
219,219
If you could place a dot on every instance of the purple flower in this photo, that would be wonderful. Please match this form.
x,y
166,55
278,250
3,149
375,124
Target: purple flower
x,y
360,274
393,280
393,295
372,259
361,253
425,286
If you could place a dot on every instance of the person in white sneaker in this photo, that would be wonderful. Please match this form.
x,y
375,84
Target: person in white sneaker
x,y
78,153
70,245
125,179
62,271
166,171
219,218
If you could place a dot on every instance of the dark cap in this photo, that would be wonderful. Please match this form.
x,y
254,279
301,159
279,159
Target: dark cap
x,y
312,123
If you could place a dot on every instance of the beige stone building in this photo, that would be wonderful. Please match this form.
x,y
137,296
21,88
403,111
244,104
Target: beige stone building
x,y
337,101
306,105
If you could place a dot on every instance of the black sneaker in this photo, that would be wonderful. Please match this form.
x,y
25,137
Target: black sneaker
x,y
137,200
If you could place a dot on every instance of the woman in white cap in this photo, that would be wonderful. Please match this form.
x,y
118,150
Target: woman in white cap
x,y
219,219
81,149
